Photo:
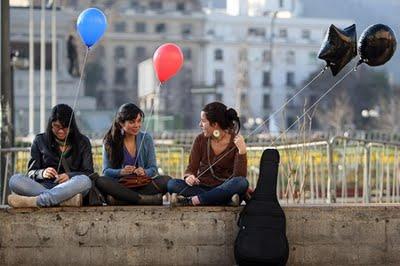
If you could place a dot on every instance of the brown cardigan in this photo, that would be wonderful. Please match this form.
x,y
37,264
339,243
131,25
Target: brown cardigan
x,y
233,162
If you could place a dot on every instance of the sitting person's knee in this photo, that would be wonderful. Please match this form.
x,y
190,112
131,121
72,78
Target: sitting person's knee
x,y
173,185
14,181
242,183
102,181
84,181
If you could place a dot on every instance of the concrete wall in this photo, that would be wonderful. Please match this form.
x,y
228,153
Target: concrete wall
x,y
318,235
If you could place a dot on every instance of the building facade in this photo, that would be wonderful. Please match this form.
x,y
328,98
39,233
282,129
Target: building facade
x,y
253,55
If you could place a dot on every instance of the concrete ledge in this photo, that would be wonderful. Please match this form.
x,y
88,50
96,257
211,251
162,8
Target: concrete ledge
x,y
131,235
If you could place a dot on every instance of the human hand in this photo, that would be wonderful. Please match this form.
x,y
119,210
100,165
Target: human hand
x,y
49,172
128,170
192,180
140,171
240,144
62,178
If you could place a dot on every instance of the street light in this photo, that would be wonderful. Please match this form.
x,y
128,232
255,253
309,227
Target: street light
x,y
274,15
272,124
370,113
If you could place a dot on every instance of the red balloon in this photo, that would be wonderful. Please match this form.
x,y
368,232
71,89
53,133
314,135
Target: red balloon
x,y
167,61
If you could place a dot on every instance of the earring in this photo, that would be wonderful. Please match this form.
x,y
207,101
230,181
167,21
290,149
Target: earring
x,y
216,134
122,131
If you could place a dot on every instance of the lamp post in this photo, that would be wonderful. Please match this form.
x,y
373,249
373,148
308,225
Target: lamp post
x,y
272,123
273,128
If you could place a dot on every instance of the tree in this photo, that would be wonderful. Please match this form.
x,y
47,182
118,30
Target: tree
x,y
338,115
389,115
361,90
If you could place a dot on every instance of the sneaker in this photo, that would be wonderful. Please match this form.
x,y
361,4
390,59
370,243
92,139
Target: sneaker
x,y
18,201
179,201
155,199
235,201
75,201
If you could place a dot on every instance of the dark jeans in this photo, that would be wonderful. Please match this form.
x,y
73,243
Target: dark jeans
x,y
110,186
218,195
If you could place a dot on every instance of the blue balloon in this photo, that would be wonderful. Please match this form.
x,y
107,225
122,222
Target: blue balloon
x,y
91,25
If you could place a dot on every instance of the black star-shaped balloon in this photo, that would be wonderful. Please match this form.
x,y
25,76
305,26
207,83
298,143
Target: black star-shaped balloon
x,y
338,47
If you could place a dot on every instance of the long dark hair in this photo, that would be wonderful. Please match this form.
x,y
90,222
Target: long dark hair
x,y
114,139
63,114
227,118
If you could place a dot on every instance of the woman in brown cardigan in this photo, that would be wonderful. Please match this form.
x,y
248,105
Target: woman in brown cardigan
x,y
216,174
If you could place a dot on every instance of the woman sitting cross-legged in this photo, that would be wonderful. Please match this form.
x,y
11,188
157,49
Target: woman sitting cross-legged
x,y
50,182
216,174
129,162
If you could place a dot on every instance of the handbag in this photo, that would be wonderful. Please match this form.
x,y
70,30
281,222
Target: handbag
x,y
135,181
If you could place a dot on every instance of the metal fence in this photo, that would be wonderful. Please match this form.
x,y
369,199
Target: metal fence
x,y
340,170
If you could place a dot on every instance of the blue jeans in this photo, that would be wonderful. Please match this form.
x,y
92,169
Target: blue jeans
x,y
47,195
210,195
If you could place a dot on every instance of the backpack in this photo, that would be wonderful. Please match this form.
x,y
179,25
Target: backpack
x,y
262,235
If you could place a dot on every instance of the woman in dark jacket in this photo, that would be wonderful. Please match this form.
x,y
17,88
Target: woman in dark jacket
x,y
50,182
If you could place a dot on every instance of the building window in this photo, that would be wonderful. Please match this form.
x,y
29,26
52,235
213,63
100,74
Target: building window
x,y
134,4
219,77
290,79
180,6
283,33
140,27
140,53
187,53
186,29
260,32
312,58
155,5
290,57
23,48
120,27
108,3
243,100
266,101
305,34
218,55
266,79
100,51
161,28
211,32
120,76
266,56
119,54
135,75
243,54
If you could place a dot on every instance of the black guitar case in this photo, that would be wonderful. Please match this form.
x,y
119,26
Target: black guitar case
x,y
262,235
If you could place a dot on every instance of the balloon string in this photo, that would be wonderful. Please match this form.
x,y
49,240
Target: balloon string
x,y
266,120
314,104
74,106
287,102
147,123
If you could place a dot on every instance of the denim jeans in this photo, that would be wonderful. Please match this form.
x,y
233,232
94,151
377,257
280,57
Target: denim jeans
x,y
210,195
46,194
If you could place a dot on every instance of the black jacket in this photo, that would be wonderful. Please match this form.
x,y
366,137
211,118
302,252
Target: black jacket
x,y
44,154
